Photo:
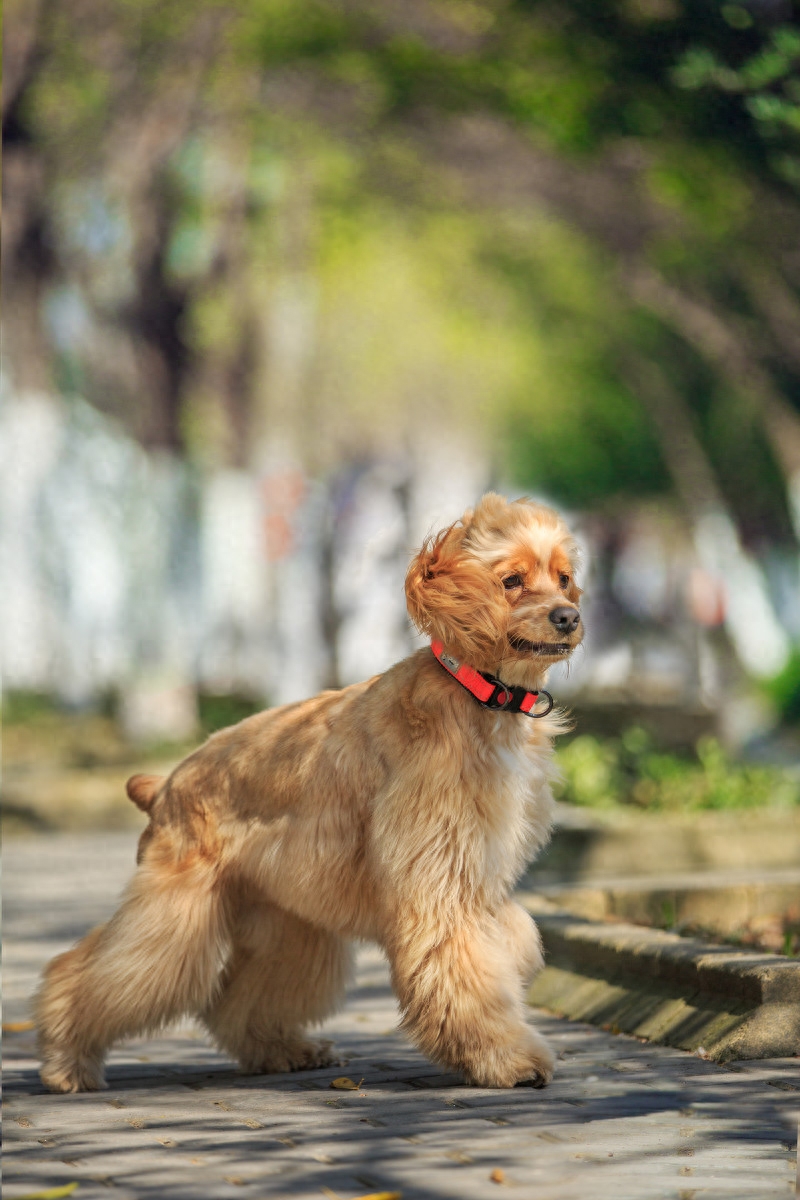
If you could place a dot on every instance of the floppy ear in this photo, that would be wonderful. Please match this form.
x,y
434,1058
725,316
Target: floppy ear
x,y
143,789
455,599
573,592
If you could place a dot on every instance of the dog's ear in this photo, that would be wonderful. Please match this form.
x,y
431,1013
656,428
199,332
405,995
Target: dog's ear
x,y
453,598
143,789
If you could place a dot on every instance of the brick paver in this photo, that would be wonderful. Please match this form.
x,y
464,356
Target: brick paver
x,y
621,1120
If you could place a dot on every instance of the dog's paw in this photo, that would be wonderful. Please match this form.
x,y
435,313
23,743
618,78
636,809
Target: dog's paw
x,y
313,1053
77,1075
290,1054
540,1063
535,1081
527,1065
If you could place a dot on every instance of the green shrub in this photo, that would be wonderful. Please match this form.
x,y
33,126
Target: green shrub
x,y
784,690
218,710
603,773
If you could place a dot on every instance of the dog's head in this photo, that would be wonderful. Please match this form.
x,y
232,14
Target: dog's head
x,y
498,589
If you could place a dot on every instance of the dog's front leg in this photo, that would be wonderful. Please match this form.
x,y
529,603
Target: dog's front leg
x,y
523,940
461,996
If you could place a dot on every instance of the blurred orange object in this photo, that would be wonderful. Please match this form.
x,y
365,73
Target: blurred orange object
x,y
282,493
705,598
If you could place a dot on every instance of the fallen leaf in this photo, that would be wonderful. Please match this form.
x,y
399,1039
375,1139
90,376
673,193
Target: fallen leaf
x,y
497,1175
381,1196
52,1193
346,1085
18,1026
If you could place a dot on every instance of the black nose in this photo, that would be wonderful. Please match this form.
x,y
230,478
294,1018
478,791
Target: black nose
x,y
566,620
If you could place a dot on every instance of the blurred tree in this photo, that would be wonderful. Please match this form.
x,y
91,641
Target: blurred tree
x,y
626,175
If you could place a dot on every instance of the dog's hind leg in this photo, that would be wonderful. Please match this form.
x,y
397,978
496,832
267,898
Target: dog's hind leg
x,y
158,958
283,975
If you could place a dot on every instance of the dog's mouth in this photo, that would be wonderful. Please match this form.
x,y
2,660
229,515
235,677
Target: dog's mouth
x,y
543,649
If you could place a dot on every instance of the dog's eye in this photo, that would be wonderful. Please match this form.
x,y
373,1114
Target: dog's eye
x,y
511,582
563,581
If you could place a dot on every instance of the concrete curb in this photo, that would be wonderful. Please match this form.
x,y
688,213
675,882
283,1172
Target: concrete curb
x,y
666,988
588,844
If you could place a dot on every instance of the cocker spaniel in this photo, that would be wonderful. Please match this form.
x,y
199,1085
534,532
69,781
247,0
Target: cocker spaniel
x,y
402,810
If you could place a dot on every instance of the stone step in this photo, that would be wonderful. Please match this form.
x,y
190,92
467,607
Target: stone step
x,y
723,902
729,1003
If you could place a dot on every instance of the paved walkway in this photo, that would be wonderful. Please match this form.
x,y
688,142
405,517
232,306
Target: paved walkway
x,y
621,1120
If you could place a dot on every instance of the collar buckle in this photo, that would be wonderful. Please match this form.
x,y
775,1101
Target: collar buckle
x,y
502,695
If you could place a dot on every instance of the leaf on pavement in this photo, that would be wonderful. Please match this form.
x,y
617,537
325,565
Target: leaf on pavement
x,y
346,1085
381,1196
51,1193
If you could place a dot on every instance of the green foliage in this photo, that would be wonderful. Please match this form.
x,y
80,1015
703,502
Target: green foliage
x,y
766,79
590,770
784,690
22,707
579,74
655,134
705,187
629,772
219,710
613,455
573,429
744,464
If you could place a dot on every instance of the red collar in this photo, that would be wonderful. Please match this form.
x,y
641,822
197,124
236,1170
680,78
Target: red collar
x,y
491,692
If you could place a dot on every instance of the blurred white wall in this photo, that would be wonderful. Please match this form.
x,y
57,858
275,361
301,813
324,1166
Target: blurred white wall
x,y
123,570
128,572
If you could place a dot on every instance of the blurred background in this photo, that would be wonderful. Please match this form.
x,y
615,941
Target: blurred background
x,y
290,283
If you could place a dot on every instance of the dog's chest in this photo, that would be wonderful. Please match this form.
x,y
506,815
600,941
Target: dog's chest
x,y
518,820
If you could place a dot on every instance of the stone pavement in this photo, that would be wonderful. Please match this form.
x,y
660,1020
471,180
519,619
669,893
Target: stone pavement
x,y
623,1120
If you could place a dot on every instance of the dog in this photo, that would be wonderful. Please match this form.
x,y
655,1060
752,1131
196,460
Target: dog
x,y
400,810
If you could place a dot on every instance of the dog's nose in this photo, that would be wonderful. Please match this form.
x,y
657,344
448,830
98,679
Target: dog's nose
x,y
566,620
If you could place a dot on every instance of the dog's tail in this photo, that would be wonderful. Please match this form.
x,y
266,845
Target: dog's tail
x,y
143,789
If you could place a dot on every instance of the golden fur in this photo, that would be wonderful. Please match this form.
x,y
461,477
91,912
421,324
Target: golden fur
x,y
397,810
